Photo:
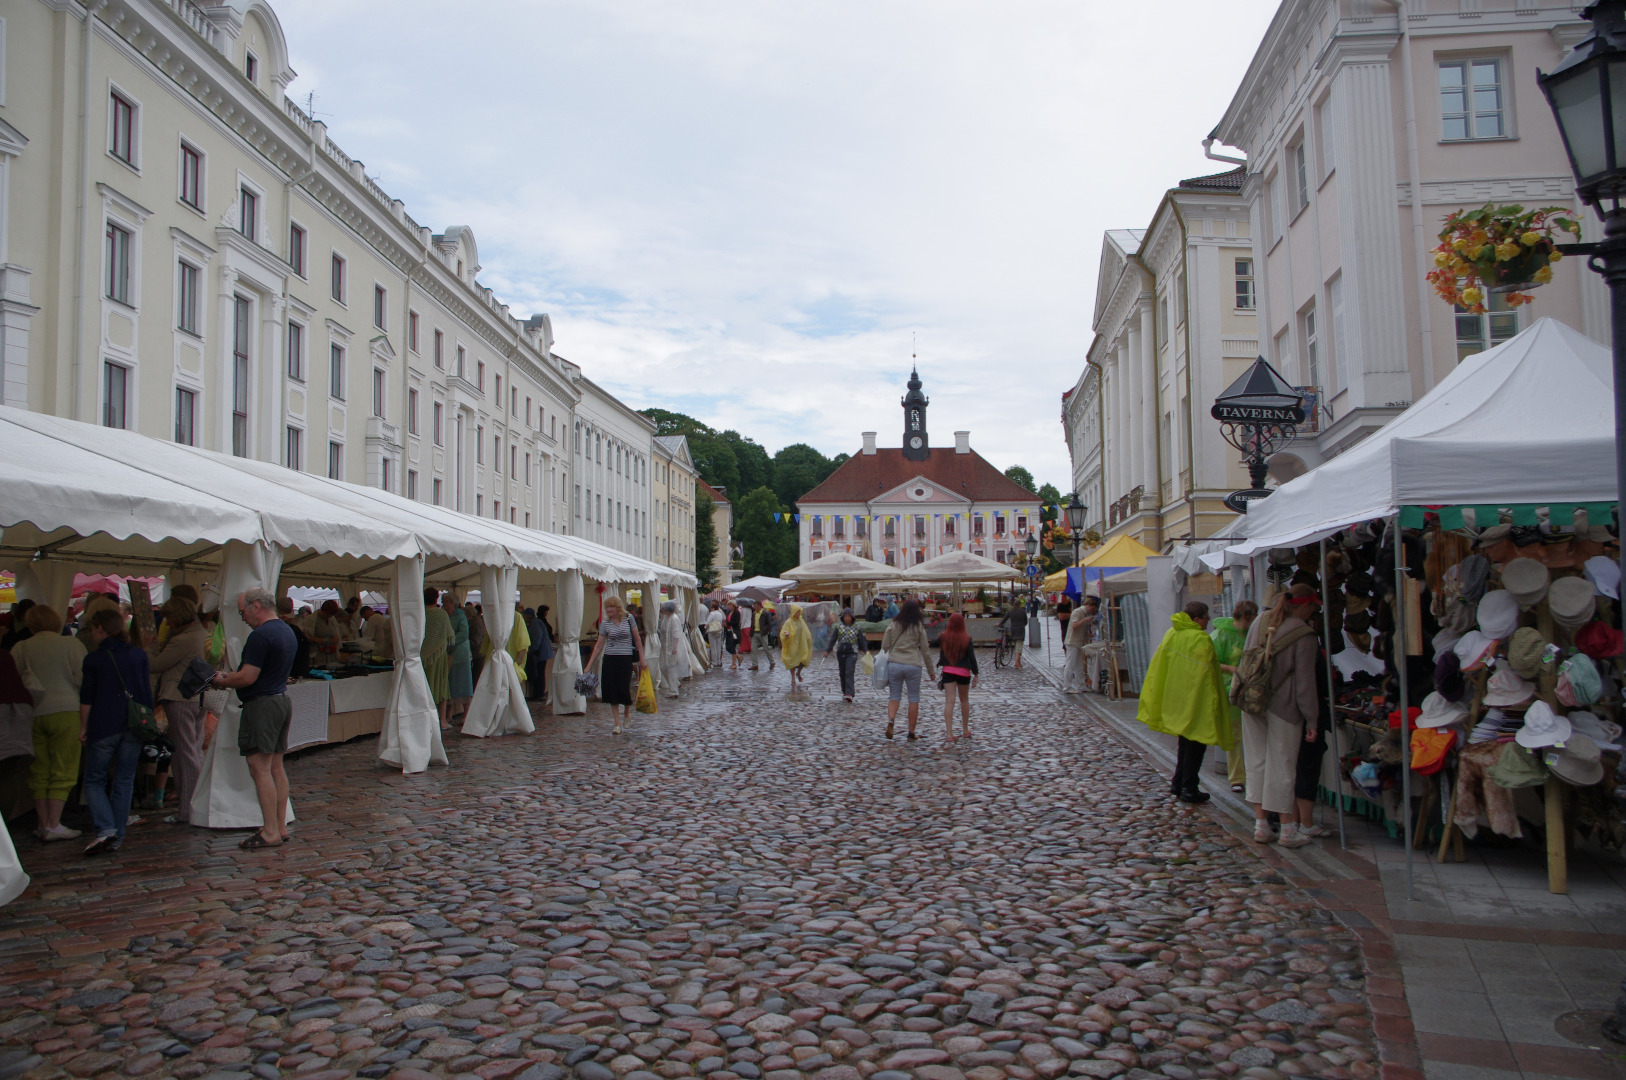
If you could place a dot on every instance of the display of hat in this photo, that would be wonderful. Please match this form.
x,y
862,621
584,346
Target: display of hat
x,y
1542,727
1491,726
1517,768
1527,580
1440,711
1445,641
1473,574
1506,690
1578,681
1604,573
1606,733
1525,536
1499,614
1525,650
1491,534
1558,551
1579,763
1359,584
1472,649
1572,602
1448,678
1429,747
1411,715
1599,640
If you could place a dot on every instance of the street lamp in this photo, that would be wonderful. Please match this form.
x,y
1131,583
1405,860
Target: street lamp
x,y
1259,414
1076,512
1587,93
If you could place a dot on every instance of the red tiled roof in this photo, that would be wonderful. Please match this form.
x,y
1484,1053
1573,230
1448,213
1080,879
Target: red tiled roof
x,y
865,476
704,488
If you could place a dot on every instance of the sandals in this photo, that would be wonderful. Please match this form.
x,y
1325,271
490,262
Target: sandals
x,y
256,841
889,731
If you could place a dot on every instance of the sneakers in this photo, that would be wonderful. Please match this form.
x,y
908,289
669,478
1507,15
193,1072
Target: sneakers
x,y
1292,837
133,819
1261,832
59,832
102,845
1315,831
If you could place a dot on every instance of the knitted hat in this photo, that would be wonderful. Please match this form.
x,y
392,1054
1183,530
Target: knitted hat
x,y
1525,650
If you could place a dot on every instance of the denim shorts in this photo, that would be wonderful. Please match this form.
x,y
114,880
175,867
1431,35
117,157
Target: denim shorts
x,y
898,675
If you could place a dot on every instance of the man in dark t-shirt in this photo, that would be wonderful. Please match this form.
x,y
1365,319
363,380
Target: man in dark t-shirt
x,y
261,682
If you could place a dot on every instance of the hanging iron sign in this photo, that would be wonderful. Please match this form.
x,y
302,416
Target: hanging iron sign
x,y
1238,500
1239,413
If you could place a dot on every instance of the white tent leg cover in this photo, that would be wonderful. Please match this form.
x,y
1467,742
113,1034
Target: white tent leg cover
x,y
411,734
498,707
567,661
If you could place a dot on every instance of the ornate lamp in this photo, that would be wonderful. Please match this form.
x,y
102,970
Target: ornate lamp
x,y
1259,414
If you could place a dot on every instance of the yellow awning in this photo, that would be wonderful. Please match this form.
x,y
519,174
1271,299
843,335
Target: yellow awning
x,y
1122,552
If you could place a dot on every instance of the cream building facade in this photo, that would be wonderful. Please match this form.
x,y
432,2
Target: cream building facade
x,y
185,253
722,523
674,503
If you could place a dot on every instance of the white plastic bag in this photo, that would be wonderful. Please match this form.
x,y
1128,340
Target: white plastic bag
x,y
878,677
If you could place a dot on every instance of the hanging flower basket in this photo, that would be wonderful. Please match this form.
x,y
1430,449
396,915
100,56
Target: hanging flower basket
x,y
1497,249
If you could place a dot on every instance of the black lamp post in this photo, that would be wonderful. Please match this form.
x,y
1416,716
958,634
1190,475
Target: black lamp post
x,y
1259,414
1587,92
1076,512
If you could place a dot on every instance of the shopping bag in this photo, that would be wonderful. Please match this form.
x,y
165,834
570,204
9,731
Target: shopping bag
x,y
878,676
645,702
867,662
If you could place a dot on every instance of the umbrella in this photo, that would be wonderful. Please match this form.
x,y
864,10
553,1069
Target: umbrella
x,y
963,566
842,566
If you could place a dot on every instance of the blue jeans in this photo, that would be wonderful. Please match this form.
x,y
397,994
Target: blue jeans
x,y
111,761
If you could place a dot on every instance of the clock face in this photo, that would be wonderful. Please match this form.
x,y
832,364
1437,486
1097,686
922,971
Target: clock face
x,y
915,442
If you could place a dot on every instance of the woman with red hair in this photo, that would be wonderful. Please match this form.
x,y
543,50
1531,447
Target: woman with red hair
x,y
957,663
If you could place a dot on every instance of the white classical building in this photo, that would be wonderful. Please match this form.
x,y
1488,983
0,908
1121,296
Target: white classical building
x,y
673,505
1364,123
185,253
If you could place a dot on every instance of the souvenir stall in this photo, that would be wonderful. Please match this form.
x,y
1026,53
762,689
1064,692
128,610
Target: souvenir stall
x,y
1470,578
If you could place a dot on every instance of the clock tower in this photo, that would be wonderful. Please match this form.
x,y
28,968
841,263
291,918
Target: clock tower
x,y
916,445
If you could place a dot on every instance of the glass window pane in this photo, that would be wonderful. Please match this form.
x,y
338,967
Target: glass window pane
x,y
1488,126
1456,127
1486,73
1450,75
1453,101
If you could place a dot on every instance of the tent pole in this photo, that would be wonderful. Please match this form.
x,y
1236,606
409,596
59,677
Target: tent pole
x,y
1332,701
1397,648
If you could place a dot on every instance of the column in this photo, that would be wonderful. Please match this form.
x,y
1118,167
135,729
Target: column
x,y
1135,361
1151,414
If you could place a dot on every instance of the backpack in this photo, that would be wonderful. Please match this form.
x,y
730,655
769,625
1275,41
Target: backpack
x,y
1251,689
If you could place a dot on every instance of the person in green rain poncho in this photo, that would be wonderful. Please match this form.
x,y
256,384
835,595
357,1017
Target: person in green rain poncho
x,y
1183,695
1230,637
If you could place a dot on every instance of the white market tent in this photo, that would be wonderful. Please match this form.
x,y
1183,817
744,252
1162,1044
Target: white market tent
x,y
1528,422
962,567
766,584
841,567
82,496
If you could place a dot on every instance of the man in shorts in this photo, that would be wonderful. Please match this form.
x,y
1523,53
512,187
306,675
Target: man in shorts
x,y
261,682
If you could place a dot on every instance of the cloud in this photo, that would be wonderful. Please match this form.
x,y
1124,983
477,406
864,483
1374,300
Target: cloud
x,y
750,210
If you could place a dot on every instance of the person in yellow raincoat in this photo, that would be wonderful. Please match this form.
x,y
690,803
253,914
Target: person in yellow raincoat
x,y
519,643
795,645
1184,695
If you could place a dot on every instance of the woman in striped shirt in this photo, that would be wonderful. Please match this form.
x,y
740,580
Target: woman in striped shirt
x,y
618,643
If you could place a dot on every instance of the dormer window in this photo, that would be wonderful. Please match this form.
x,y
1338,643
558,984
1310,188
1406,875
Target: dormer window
x,y
251,68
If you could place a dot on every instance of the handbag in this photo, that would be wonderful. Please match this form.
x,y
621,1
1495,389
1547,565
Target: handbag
x,y
138,718
195,679
867,661
877,678
587,684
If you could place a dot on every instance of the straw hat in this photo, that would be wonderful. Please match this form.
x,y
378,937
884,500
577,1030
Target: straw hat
x,y
1542,727
1579,763
1439,712
1525,651
1506,690
1572,602
1604,573
1526,579
1499,613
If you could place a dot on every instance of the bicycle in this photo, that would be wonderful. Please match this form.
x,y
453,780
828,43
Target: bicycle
x,y
1002,649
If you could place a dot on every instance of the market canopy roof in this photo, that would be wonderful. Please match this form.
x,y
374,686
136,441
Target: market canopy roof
x,y
1530,421
962,566
1122,552
761,581
841,567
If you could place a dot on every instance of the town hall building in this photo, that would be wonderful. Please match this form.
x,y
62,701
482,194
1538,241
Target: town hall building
x,y
906,505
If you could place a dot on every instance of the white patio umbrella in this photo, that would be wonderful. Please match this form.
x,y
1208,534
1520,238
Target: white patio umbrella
x,y
849,572
960,567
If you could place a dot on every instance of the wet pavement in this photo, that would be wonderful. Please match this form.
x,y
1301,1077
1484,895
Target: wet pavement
x,y
744,885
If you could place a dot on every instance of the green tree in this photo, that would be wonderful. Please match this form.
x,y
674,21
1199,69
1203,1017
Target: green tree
x,y
705,543
715,461
754,464
675,423
798,469
770,546
1022,477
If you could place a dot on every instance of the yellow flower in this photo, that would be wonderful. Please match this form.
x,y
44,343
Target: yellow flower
x,y
1471,296
1460,244
1544,275
1554,257
1442,258
1530,239
1507,251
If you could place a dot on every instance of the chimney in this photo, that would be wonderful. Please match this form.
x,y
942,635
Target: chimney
x,y
869,442
962,442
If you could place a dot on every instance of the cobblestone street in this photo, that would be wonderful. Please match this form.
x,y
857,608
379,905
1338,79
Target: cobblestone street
x,y
743,886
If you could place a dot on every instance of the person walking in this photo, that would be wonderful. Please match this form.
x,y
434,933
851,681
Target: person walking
x,y
763,625
847,641
1015,626
714,633
261,682
542,652
1271,741
53,666
1183,695
957,662
115,673
733,623
1074,680
618,643
1064,612
474,619
1229,636
435,653
908,651
187,641
674,650
796,646
459,658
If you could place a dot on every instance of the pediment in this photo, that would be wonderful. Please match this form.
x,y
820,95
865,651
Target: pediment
x,y
921,491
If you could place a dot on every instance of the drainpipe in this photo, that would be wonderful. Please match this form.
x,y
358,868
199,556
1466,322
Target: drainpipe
x,y
1415,180
82,226
1208,145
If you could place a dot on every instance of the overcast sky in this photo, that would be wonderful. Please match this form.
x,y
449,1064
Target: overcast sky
x,y
748,210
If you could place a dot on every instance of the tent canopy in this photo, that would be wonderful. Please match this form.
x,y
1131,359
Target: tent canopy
x,y
963,566
766,584
840,567
1530,421
1122,552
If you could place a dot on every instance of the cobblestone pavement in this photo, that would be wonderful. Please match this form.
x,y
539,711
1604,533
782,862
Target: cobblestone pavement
x,y
744,886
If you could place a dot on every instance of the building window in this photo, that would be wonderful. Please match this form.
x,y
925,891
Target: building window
x,y
439,418
527,470
120,244
891,557
296,249
479,444
479,506
840,527
1312,347
1325,133
499,391
248,219
335,371
462,358
335,460
251,67
860,526
412,411
513,462
192,177
186,411
1471,102
115,394
438,488
920,527
528,414
412,330
381,299
338,277
292,447
1476,333
1244,285
186,306
386,474
890,529
480,375
977,526
379,392
121,141
296,352
241,327
412,484
440,350
1301,176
